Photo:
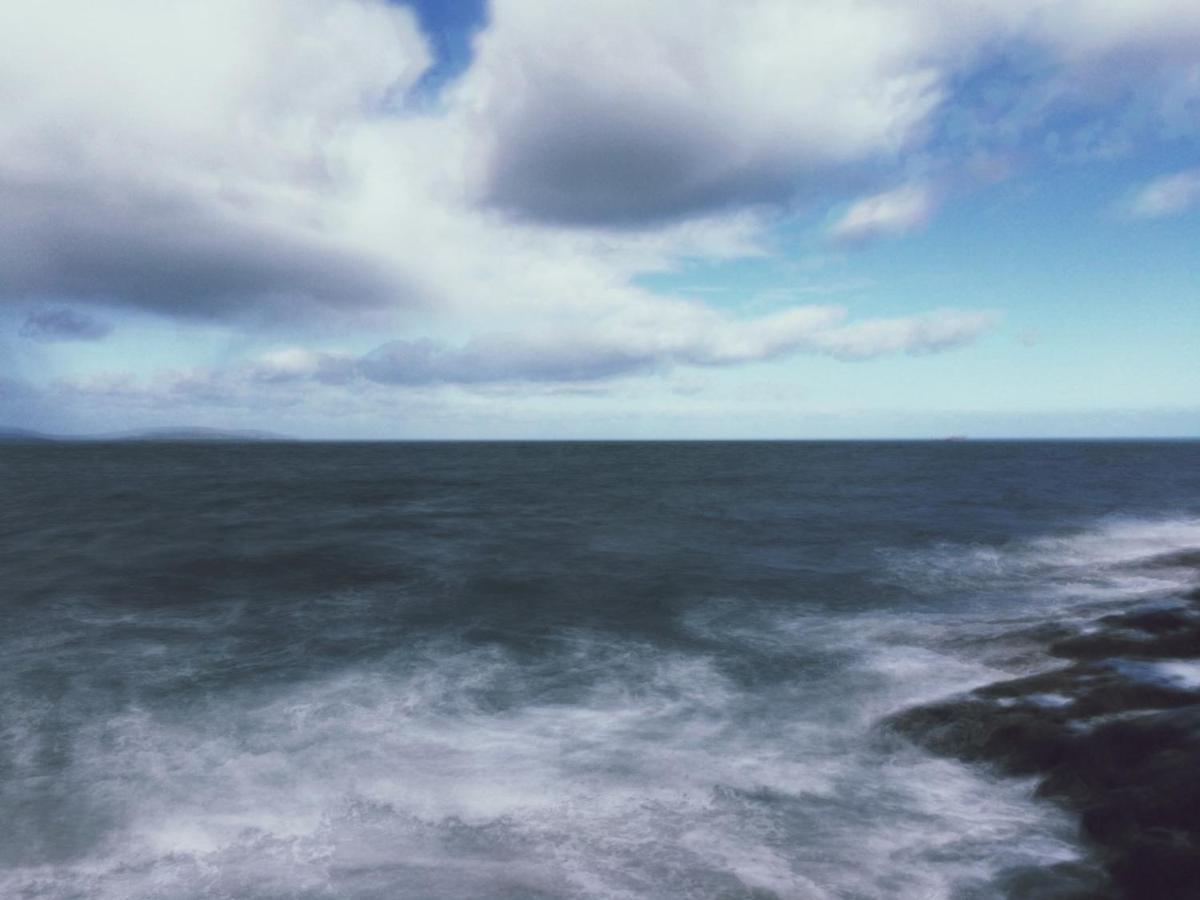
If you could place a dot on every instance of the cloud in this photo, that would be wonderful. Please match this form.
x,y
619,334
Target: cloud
x,y
500,383
1170,195
257,161
629,113
692,337
500,358
185,156
1083,31
503,383
916,335
893,212
62,324
180,256
256,164
626,112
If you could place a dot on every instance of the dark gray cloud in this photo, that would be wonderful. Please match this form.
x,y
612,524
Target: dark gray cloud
x,y
694,107
62,324
565,162
173,255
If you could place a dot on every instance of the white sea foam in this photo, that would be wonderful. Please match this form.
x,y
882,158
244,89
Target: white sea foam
x,y
1050,700
1176,673
1184,673
444,774
1117,559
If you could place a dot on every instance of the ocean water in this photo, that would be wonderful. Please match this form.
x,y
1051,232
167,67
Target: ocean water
x,y
548,670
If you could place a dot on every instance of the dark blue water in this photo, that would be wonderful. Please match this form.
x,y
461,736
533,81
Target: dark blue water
x,y
541,670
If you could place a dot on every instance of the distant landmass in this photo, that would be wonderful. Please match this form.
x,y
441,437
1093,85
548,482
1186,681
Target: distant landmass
x,y
179,435
11,435
194,434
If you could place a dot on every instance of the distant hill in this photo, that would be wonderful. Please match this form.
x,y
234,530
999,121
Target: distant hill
x,y
22,436
194,434
166,435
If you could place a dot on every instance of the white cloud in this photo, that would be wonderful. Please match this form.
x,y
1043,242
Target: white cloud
x,y
214,158
183,155
1170,195
916,335
893,212
626,112
683,335
501,384
1087,30
629,112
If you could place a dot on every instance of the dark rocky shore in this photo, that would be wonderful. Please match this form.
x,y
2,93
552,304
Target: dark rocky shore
x,y
1114,735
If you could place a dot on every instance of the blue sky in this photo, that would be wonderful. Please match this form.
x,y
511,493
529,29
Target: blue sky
x,y
449,27
348,218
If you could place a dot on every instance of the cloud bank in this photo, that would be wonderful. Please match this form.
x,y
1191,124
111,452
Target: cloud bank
x,y
698,338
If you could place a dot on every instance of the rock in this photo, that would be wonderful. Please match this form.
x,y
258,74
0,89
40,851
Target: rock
x,y
1109,742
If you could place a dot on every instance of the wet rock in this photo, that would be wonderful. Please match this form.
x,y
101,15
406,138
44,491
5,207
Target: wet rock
x,y
1063,881
1159,634
1182,642
1155,621
1111,739
1158,864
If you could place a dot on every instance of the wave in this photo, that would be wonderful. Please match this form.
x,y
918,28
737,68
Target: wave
x,y
742,759
464,772
1112,729
1115,559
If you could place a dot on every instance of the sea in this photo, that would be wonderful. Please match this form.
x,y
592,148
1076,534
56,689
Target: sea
x,y
545,670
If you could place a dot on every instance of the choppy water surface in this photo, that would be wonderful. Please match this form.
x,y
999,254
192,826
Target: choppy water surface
x,y
543,670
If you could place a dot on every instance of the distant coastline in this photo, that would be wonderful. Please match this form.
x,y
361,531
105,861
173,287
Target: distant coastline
x,y
166,435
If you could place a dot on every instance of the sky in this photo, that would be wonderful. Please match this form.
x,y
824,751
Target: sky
x,y
603,219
